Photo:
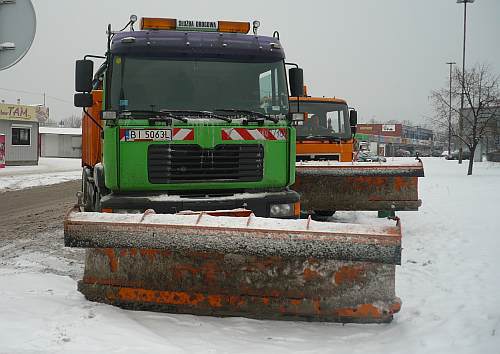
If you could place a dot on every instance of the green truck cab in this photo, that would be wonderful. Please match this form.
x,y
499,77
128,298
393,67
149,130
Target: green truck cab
x,y
195,116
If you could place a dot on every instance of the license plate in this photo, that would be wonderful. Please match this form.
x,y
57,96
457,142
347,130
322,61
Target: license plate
x,y
148,135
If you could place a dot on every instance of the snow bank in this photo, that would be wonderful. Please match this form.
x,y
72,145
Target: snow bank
x,y
43,313
48,171
448,282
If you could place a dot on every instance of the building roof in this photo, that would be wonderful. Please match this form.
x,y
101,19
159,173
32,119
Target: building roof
x,y
60,131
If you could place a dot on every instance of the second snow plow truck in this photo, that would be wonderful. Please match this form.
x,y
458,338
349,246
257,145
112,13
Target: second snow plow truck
x,y
188,155
327,177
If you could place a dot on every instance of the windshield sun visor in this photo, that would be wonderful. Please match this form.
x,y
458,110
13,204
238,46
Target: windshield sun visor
x,y
173,44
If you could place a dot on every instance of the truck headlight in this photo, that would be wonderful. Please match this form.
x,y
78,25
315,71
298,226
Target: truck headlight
x,y
281,210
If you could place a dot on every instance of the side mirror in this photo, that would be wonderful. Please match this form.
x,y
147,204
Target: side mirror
x,y
296,76
83,75
83,100
353,120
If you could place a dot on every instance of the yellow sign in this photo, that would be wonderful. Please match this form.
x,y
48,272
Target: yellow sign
x,y
24,113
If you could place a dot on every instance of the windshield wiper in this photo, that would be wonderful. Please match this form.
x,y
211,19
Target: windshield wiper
x,y
156,114
204,114
254,114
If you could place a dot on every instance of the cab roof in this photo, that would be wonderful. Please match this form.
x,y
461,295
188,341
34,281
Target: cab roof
x,y
186,45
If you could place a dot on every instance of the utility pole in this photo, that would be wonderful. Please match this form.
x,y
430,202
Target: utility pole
x,y
461,121
449,118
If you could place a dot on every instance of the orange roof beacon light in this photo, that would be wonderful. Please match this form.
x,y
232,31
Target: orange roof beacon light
x,y
234,27
155,23
152,23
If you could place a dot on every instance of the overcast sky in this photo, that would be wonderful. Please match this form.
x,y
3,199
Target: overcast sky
x,y
384,57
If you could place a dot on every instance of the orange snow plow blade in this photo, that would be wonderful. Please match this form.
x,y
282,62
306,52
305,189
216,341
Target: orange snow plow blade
x,y
238,266
358,186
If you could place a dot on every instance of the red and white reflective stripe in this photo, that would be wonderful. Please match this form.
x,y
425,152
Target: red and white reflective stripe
x,y
183,134
254,134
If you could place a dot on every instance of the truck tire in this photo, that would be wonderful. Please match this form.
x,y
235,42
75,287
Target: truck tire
x,y
97,200
87,191
99,180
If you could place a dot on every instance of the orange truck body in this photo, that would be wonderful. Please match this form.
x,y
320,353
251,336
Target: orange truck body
x,y
91,133
343,149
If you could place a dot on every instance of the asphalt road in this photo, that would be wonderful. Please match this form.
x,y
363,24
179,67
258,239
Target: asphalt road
x,y
32,211
31,230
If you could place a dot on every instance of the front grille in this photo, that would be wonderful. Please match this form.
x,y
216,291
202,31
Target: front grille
x,y
177,163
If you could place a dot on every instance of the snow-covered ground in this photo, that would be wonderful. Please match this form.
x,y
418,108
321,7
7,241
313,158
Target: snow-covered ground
x,y
449,282
48,171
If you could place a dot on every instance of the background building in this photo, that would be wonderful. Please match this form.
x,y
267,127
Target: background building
x,y
392,139
19,124
60,142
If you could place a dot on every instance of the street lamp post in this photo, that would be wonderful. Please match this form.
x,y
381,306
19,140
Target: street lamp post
x,y
449,118
460,121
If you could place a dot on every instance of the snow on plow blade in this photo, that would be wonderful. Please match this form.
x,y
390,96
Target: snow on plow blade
x,y
238,266
358,186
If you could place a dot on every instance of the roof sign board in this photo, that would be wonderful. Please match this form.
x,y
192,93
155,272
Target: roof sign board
x,y
23,113
388,127
193,25
15,43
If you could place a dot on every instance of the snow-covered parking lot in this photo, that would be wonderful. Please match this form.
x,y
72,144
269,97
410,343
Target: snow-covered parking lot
x,y
449,282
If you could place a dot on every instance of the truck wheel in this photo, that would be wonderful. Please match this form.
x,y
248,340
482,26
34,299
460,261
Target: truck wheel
x,y
87,201
88,192
97,200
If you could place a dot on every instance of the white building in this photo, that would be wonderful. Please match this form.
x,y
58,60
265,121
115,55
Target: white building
x,y
60,142
19,124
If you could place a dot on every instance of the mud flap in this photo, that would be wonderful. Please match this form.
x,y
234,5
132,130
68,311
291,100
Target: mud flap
x,y
239,266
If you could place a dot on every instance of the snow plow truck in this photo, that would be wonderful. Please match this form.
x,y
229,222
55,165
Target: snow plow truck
x,y
327,176
188,156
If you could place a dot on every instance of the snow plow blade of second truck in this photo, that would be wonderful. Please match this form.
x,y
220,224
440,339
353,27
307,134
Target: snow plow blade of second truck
x,y
358,186
219,265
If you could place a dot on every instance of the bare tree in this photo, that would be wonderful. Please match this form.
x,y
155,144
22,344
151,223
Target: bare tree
x,y
481,109
73,121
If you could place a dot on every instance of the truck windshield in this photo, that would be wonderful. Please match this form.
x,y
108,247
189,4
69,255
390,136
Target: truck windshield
x,y
154,84
324,119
